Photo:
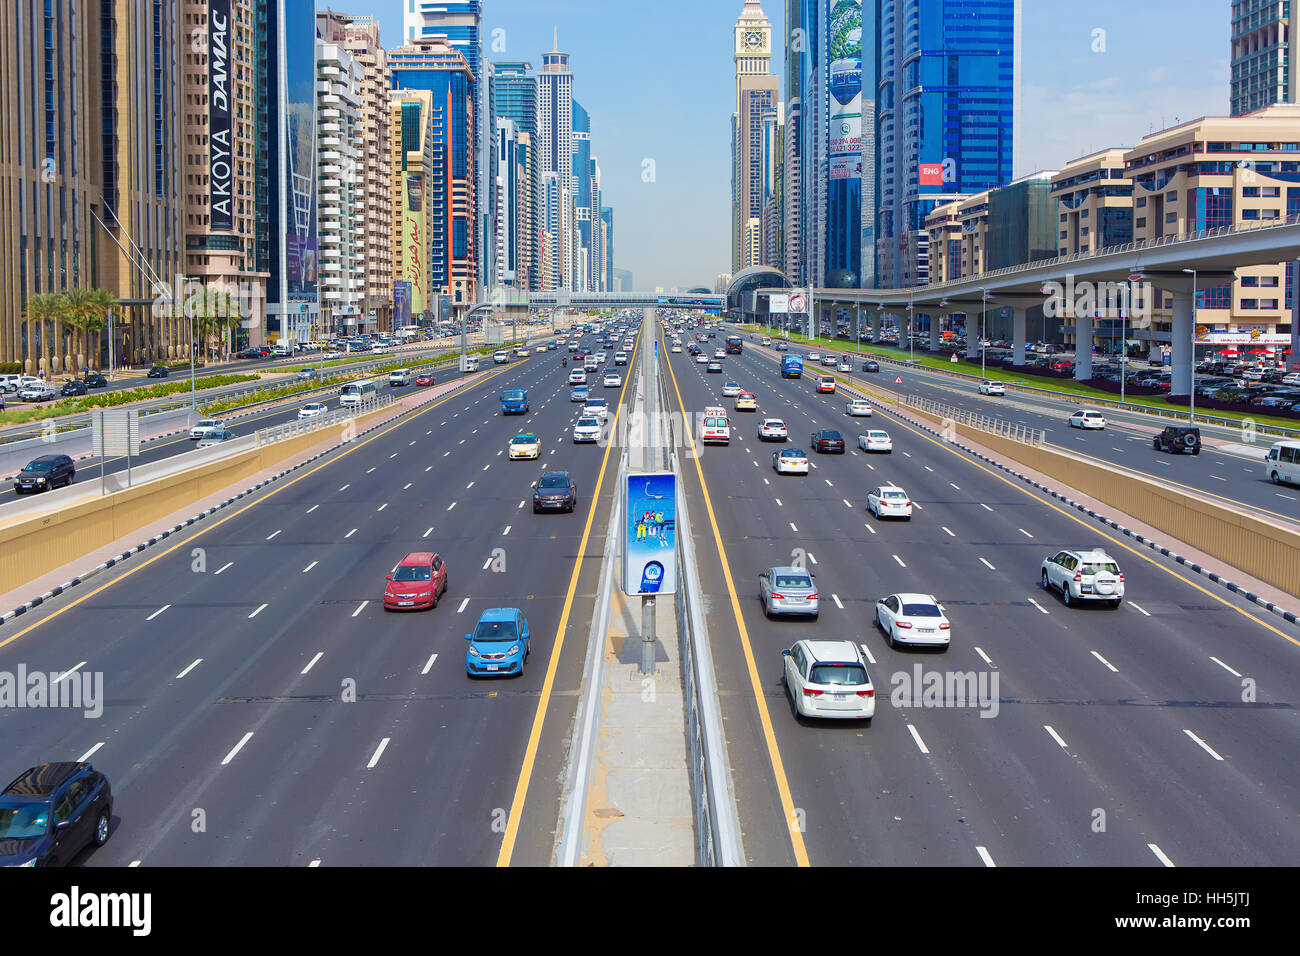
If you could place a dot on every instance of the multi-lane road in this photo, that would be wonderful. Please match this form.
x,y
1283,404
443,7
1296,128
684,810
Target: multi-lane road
x,y
1120,737
261,706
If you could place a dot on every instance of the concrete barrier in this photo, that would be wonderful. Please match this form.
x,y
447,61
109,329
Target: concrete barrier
x,y
1250,544
76,443
48,540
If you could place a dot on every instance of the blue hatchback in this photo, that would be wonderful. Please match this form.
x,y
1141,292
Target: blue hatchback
x,y
499,645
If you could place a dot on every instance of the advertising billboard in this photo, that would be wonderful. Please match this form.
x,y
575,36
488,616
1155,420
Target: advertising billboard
x,y
844,150
414,254
650,533
778,303
220,168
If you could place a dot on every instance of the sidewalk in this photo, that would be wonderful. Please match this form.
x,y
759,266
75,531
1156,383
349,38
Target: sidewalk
x,y
639,809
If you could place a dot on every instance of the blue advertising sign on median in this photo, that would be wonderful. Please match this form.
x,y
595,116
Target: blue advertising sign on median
x,y
650,533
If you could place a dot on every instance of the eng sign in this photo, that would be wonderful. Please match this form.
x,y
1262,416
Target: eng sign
x,y
650,533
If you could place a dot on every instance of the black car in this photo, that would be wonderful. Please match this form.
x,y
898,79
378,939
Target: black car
x,y
870,366
249,354
44,473
1178,439
555,490
52,812
95,380
827,441
73,388
158,371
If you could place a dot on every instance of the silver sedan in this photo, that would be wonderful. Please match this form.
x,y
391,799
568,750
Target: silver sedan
x,y
788,591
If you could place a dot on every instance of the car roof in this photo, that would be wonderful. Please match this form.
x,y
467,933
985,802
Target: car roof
x,y
416,557
47,458
493,614
1090,554
787,569
555,474
845,652
44,779
890,486
914,597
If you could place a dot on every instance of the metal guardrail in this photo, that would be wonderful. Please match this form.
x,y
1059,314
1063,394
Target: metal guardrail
x,y
267,436
1035,437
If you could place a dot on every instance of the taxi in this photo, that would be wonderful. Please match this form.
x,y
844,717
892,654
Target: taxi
x,y
525,445
746,402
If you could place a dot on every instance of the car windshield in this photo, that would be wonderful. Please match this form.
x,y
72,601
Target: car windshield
x,y
588,422
596,403
878,435
849,675
38,466
792,453
524,440
413,572
922,610
495,631
773,423
513,396
20,820
793,581
831,436
553,481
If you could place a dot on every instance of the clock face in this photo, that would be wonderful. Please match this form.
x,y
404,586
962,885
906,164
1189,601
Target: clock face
x,y
753,40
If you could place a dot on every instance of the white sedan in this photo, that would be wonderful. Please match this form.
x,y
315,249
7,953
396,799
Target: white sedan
x,y
612,379
889,501
331,354
1088,418
719,353
772,429
730,389
913,619
587,429
876,440
790,461
829,679
992,388
814,356
701,359
846,365
207,427
312,410
858,409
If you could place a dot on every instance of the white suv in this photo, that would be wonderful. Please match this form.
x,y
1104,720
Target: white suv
x,y
1084,576
829,679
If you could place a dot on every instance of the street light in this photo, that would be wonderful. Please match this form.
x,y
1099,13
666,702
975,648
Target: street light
x,y
193,401
984,307
911,330
1191,398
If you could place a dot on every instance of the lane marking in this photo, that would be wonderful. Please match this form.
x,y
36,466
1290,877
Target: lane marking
x,y
427,533
218,571
450,506
917,737
836,599
985,657
900,561
507,531
350,533
273,534
1039,606
1024,532
1225,667
1112,667
382,507
360,607
347,486
954,486
312,508
984,562
985,507
257,612
157,612
793,528
869,528
89,753
407,485
1055,736
383,745
949,533
312,663
1160,855
463,603
984,855
235,749
1137,607
429,664
1203,745
196,663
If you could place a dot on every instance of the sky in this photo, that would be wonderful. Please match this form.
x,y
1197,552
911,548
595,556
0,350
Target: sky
x,y
658,80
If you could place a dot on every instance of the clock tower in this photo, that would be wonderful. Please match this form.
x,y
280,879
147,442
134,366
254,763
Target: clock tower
x,y
753,44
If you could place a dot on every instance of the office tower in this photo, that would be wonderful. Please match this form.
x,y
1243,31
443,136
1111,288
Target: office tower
x,y
771,150
946,96
596,270
757,91
511,204
607,217
374,186
555,150
459,23
1265,54
451,197
581,164
340,207
513,96
550,204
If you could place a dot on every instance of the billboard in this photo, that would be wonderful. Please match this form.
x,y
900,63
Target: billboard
x,y
414,254
650,533
778,303
220,168
844,150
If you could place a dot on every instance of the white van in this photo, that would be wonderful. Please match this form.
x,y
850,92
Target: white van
x,y
399,376
1282,463
501,357
715,429
358,392
469,363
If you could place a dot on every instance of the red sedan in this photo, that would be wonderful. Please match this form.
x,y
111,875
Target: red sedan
x,y
416,582
424,380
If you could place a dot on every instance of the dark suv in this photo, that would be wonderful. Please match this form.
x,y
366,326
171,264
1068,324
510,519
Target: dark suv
x,y
52,812
44,473
827,441
1178,439
555,490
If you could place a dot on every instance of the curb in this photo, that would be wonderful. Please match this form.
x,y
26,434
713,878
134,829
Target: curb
x,y
1214,576
118,559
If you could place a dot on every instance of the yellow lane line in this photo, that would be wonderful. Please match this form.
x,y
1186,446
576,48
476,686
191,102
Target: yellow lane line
x,y
548,685
764,716
140,567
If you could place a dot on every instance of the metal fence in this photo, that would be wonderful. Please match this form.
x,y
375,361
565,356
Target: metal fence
x,y
266,436
1036,437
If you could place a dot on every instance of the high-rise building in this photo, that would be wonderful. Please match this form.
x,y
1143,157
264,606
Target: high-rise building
x,y
843,95
374,186
513,96
451,196
512,207
340,207
459,23
757,92
581,162
1265,54
555,153
607,217
946,97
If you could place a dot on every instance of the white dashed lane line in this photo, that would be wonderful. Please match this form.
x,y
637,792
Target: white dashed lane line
x,y
196,663
1226,667
1109,666
312,663
157,612
360,607
259,610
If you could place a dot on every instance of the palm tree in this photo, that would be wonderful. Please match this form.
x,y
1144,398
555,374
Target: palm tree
x,y
44,307
99,304
81,306
214,312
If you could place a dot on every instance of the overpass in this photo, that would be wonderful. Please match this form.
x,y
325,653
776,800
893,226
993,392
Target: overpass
x,y
510,300
1179,266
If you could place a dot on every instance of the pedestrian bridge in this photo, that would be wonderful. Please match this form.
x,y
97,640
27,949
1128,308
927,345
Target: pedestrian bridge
x,y
510,300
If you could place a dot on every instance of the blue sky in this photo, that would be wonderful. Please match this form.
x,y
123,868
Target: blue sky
x,y
657,78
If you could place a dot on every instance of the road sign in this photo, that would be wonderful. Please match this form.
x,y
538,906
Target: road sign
x,y
953,360
898,380
650,534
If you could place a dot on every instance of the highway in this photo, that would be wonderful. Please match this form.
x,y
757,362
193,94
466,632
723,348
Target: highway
x,y
1121,737
262,707
1233,474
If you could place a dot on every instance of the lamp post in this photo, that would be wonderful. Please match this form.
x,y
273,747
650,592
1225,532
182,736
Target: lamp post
x,y
1191,395
984,307
193,402
911,330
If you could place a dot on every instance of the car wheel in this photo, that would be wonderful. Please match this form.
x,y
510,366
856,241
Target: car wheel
x,y
1155,444
1116,603
101,829
1065,594
1274,476
890,634
1047,585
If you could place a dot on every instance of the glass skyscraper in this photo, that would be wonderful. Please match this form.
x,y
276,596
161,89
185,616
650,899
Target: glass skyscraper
x,y
946,101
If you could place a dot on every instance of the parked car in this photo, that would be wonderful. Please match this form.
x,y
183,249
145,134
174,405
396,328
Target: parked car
x,y
53,811
829,679
1178,440
45,473
416,582
788,590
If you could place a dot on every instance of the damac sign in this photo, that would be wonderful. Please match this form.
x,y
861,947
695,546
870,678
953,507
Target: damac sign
x,y
219,165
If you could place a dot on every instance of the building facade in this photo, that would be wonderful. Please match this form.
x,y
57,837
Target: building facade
x,y
555,154
757,93
1265,56
513,96
340,206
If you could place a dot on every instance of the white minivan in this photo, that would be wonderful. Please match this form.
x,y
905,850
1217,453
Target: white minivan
x,y
1282,463
399,376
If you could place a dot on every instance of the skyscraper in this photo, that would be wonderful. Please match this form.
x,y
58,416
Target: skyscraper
x,y
555,155
581,162
1265,54
757,91
946,98
513,96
